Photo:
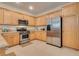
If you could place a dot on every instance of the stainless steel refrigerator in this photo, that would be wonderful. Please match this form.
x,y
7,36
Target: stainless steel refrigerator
x,y
54,31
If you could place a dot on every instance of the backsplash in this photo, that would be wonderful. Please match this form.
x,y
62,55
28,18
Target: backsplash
x,y
42,28
9,28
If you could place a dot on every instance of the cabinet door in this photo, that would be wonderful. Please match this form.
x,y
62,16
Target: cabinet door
x,y
26,17
31,21
77,31
43,35
20,16
38,21
16,38
11,38
1,16
8,39
14,20
70,35
2,51
69,10
55,14
38,35
15,17
32,35
77,8
41,21
7,16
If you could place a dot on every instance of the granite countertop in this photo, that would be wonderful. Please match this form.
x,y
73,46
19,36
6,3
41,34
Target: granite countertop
x,y
9,32
3,43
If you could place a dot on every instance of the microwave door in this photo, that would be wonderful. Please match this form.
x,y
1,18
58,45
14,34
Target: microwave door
x,y
23,22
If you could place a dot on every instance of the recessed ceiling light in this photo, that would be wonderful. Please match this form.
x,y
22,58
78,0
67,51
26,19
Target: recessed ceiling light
x,y
31,7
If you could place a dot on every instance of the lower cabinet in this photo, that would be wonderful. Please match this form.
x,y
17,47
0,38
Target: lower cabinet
x,y
41,35
2,51
38,35
32,35
11,38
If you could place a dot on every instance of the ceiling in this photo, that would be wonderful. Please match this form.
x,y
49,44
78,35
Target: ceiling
x,y
39,7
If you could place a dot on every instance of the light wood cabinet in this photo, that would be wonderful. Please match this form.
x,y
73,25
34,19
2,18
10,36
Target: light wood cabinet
x,y
14,20
69,10
7,16
26,17
2,51
1,15
11,38
41,35
41,21
11,17
20,16
77,8
70,31
32,35
38,35
30,19
55,14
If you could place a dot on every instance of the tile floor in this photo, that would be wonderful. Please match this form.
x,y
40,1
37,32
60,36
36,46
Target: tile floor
x,y
39,48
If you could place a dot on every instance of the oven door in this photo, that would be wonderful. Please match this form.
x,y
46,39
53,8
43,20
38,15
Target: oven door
x,y
24,37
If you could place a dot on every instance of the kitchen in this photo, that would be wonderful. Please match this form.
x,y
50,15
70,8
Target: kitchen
x,y
54,28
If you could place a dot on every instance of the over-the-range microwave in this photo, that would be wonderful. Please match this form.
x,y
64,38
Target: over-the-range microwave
x,y
22,22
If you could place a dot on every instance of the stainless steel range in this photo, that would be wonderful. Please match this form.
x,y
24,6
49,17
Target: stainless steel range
x,y
24,35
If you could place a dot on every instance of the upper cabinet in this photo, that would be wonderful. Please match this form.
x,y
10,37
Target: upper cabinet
x,y
11,17
7,16
31,20
69,10
1,15
14,20
77,8
41,21
16,17
20,16
55,14
26,17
